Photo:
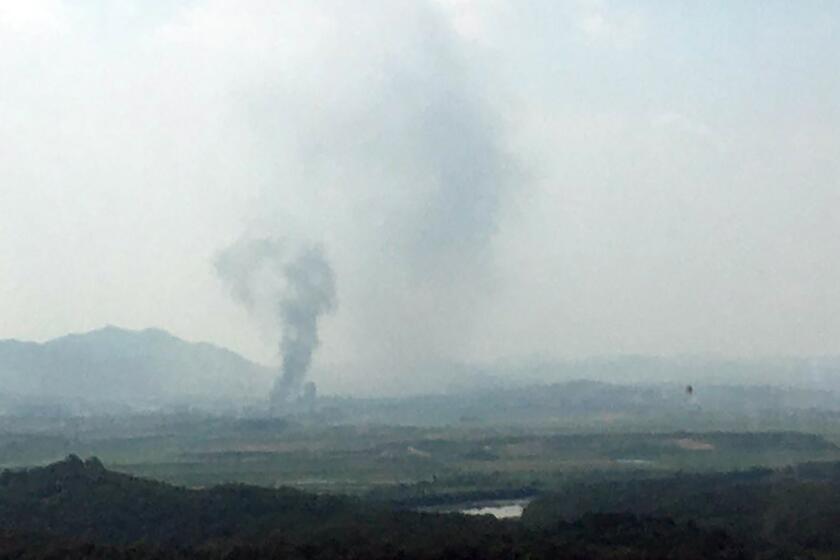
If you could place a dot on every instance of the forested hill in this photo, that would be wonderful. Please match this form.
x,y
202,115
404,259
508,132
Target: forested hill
x,y
796,508
78,509
82,499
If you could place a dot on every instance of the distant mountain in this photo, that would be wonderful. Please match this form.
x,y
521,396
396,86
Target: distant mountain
x,y
819,373
128,367
587,404
814,373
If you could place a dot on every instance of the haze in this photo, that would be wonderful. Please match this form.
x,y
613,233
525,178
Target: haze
x,y
488,180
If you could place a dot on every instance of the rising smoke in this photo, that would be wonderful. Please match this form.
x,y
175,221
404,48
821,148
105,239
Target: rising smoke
x,y
297,287
403,176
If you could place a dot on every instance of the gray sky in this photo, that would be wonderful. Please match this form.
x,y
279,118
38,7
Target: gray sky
x,y
489,179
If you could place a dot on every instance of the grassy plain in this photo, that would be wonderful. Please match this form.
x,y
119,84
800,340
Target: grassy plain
x,y
403,463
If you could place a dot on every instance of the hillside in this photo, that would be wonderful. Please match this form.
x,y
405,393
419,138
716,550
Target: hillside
x,y
137,368
77,509
82,499
798,506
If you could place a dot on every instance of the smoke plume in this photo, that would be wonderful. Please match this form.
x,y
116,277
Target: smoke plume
x,y
296,288
403,168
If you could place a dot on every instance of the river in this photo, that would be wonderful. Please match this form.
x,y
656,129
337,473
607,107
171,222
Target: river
x,y
500,509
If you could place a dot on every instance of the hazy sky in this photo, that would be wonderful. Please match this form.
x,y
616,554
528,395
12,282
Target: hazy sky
x,y
489,179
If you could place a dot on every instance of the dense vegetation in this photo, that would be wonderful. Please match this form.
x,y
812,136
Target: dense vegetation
x,y
796,508
79,509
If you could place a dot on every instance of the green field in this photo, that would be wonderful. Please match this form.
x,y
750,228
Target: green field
x,y
396,462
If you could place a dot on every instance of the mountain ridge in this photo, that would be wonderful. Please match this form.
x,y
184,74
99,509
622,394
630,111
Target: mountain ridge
x,y
132,366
